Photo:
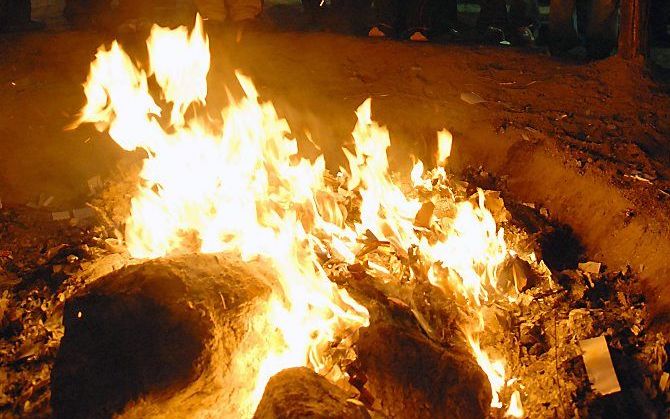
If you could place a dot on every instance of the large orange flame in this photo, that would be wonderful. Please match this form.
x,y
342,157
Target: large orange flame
x,y
241,186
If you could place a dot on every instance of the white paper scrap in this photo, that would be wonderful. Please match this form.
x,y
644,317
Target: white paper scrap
x,y
94,184
83,213
599,365
60,215
590,267
472,98
48,201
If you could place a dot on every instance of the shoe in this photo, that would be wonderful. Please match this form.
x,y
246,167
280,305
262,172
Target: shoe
x,y
524,37
418,37
494,36
375,32
452,33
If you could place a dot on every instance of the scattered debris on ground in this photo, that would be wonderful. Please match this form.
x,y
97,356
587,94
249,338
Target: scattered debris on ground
x,y
538,332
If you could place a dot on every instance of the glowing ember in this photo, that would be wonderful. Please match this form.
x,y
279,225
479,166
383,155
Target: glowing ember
x,y
240,186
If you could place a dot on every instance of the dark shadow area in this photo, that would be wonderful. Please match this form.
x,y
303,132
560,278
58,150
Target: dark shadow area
x,y
116,351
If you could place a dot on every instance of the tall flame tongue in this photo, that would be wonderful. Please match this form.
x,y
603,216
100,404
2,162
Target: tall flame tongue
x,y
240,186
470,248
470,245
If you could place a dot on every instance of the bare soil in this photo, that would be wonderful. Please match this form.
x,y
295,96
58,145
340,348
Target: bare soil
x,y
607,114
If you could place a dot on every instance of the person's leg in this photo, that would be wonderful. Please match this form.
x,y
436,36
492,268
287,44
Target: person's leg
x,y
450,9
524,13
602,29
493,22
355,14
524,21
418,18
492,13
582,10
446,16
243,10
387,17
562,33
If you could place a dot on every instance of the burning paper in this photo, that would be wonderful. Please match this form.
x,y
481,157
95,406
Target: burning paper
x,y
599,365
590,267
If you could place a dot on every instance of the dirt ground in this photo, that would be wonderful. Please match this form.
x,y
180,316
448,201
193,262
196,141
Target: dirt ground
x,y
607,114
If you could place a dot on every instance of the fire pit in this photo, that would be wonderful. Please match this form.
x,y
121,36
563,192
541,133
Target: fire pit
x,y
252,282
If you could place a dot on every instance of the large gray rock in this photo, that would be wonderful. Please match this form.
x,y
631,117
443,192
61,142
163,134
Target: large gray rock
x,y
170,337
